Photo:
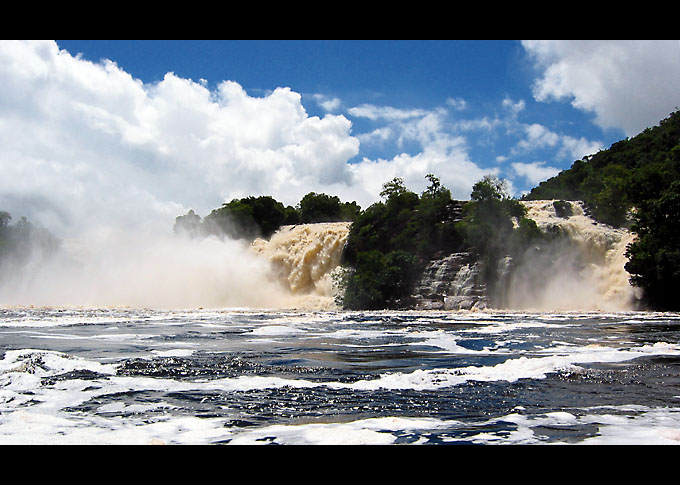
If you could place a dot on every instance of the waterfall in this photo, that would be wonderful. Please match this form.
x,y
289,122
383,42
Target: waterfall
x,y
580,268
583,269
303,259
148,270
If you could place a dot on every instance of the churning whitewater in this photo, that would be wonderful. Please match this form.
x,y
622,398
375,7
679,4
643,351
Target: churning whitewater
x,y
127,376
130,340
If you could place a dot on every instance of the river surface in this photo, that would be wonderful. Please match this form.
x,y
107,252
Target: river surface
x,y
130,376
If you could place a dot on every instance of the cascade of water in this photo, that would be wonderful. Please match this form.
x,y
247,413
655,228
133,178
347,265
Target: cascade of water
x,y
581,269
584,270
303,258
451,283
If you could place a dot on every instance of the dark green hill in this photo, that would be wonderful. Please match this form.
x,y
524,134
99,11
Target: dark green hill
x,y
613,181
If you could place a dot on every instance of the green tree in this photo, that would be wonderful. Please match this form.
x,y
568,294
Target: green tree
x,y
611,203
315,207
654,257
488,217
379,280
392,241
247,218
190,224
5,217
393,187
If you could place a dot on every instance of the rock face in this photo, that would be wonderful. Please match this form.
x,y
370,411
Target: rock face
x,y
454,282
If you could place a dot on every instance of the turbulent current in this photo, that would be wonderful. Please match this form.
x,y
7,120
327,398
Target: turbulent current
x,y
129,376
127,340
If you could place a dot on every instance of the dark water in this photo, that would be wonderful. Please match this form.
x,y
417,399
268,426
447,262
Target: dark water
x,y
127,376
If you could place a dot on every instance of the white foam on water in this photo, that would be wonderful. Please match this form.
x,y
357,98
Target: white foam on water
x,y
565,359
447,342
31,427
646,426
174,352
277,330
371,431
31,411
46,362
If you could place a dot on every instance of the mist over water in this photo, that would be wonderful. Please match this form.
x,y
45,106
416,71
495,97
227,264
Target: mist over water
x,y
116,267
581,270
147,270
136,337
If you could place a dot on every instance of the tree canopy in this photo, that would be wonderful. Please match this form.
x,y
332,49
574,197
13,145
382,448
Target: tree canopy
x,y
392,241
22,242
635,183
252,217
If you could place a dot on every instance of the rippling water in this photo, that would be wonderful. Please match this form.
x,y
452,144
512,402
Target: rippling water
x,y
128,376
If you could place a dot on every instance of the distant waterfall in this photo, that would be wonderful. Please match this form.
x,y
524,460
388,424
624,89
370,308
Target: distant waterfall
x,y
582,270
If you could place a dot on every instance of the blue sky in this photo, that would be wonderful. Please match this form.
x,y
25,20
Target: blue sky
x,y
155,127
405,74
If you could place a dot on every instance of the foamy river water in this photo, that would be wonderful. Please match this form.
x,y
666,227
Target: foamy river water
x,y
129,376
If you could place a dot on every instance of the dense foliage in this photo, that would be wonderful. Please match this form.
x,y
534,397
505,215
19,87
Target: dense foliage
x,y
252,217
613,181
635,183
392,241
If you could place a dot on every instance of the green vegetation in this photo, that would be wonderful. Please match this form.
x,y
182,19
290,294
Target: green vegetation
x,y
21,243
253,217
392,241
325,208
248,218
613,181
635,183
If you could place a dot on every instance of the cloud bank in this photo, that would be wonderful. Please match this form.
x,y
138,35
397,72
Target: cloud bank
x,y
85,145
628,84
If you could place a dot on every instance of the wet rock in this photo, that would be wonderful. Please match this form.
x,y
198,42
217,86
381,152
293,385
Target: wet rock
x,y
453,282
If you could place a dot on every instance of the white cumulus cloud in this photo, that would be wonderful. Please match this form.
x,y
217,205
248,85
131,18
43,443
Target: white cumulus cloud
x,y
535,172
628,84
86,143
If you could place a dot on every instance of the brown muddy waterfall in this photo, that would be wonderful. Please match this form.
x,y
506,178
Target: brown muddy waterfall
x,y
584,271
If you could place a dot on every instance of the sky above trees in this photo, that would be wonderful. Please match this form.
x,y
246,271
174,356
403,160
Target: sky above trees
x,y
137,132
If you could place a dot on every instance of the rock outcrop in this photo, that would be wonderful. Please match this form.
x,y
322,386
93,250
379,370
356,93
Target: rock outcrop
x,y
454,282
